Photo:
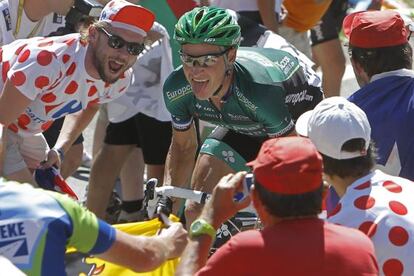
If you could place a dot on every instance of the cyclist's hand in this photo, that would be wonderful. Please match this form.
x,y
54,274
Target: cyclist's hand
x,y
175,238
164,205
52,159
221,205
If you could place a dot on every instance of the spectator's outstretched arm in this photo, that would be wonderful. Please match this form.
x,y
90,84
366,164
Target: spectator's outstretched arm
x,y
218,209
141,253
37,9
268,14
72,127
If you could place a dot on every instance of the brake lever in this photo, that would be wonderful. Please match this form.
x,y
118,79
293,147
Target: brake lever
x,y
165,220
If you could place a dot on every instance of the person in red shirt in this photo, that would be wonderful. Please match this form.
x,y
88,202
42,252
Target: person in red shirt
x,y
287,194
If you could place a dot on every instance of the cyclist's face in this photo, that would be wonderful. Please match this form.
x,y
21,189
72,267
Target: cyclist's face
x,y
111,62
204,68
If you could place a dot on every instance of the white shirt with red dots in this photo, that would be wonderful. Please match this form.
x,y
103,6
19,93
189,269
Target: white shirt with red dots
x,y
51,72
382,206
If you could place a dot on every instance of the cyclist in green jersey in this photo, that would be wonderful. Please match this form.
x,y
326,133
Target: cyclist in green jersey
x,y
251,94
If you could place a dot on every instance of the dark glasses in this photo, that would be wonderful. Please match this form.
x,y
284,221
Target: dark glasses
x,y
117,42
203,61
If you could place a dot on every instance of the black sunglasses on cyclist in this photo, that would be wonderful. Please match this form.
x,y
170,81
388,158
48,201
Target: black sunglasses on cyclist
x,y
117,42
203,60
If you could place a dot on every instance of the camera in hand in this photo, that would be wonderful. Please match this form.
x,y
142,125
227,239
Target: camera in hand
x,y
247,184
80,10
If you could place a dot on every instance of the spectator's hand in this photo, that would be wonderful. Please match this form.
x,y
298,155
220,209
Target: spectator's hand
x,y
52,158
175,238
221,205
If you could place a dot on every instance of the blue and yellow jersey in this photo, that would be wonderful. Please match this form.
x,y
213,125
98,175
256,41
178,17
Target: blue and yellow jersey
x,y
36,226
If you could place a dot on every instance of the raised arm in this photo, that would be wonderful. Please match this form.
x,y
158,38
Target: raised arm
x,y
268,14
218,209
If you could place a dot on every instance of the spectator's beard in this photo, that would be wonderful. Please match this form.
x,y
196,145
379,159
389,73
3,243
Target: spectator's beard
x,y
108,73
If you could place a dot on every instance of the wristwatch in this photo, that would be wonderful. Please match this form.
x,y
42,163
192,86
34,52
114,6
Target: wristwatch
x,y
201,227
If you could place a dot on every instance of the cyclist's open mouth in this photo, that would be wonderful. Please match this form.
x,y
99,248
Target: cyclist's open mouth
x,y
199,85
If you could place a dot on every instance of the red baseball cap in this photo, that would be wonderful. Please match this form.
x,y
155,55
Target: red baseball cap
x,y
124,15
375,29
288,165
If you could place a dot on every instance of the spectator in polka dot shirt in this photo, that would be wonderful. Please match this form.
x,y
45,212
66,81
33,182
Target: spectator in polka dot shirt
x,y
43,79
378,204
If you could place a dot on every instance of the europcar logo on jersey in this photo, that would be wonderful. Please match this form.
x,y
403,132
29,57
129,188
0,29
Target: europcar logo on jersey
x,y
174,95
18,238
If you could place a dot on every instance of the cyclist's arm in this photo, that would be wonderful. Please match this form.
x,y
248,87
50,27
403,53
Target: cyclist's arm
x,y
141,253
181,157
94,236
267,13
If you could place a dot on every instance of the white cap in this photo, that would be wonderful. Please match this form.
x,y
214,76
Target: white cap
x,y
333,122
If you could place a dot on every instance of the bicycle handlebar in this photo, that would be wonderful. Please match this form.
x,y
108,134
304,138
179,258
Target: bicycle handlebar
x,y
173,191
153,192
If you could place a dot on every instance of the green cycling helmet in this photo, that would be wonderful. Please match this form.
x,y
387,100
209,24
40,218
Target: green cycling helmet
x,y
210,25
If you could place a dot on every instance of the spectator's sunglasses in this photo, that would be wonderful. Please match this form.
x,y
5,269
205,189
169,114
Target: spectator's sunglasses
x,y
203,60
117,42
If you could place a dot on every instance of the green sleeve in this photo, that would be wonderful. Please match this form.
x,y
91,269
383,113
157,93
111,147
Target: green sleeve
x,y
178,97
85,223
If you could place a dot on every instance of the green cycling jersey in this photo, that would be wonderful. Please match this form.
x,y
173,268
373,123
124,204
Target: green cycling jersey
x,y
269,91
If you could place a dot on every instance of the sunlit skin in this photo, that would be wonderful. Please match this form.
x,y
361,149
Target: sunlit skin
x,y
360,75
104,62
206,80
